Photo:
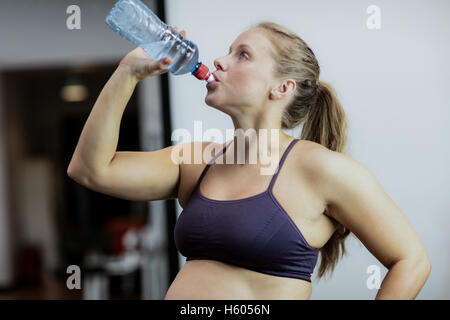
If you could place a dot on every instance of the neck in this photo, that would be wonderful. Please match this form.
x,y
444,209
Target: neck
x,y
257,137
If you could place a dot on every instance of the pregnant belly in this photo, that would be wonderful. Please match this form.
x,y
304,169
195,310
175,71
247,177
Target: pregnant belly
x,y
214,280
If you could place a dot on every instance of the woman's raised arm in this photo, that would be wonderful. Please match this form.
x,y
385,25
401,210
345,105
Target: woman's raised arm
x,y
95,162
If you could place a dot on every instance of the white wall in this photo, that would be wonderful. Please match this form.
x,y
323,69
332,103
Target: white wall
x,y
34,34
392,83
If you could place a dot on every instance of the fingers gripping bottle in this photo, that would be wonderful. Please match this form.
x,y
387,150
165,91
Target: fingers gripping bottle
x,y
134,21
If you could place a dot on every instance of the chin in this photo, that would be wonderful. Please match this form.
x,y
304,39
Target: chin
x,y
213,104
210,102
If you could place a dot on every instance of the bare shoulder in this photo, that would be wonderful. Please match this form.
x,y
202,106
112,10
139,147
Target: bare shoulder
x,y
324,167
308,153
334,173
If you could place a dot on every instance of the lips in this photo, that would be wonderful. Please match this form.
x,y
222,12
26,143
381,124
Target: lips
x,y
215,76
212,84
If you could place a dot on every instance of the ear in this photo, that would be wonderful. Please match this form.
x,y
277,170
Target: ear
x,y
283,90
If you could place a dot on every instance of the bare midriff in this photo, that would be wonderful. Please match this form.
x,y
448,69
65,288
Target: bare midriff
x,y
215,280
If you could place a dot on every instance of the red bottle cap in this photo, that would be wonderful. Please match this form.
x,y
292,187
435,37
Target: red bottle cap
x,y
202,73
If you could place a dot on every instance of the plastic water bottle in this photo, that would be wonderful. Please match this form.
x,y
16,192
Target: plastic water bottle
x,y
134,21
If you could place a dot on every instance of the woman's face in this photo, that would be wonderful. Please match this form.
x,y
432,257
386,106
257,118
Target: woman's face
x,y
245,74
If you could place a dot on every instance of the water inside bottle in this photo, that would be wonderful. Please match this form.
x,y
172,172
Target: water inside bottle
x,y
183,56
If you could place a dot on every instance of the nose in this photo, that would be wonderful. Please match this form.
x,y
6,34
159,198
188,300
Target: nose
x,y
219,64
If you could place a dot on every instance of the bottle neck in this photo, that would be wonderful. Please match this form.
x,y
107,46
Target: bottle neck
x,y
202,72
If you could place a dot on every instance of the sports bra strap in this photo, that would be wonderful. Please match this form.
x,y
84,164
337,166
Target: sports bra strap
x,y
221,152
274,177
211,161
280,164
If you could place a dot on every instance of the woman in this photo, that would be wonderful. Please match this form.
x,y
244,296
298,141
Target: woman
x,y
248,235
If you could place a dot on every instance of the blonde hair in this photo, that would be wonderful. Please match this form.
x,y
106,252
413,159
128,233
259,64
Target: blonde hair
x,y
316,106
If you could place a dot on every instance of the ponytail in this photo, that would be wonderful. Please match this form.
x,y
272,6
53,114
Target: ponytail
x,y
325,121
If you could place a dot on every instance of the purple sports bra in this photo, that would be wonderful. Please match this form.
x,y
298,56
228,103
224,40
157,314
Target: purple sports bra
x,y
255,232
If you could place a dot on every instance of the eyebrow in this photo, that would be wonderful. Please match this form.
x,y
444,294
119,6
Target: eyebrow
x,y
240,46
